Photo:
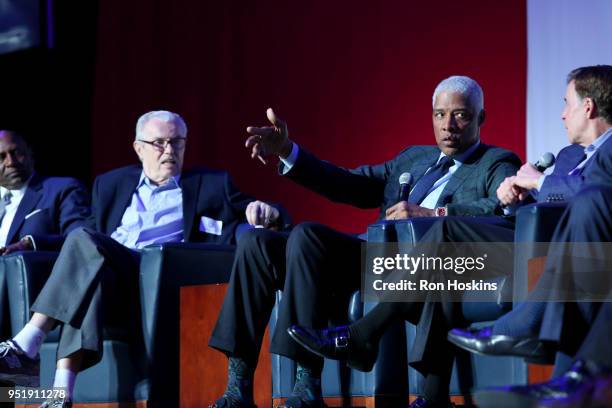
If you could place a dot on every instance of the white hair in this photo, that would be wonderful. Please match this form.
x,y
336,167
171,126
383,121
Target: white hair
x,y
164,116
463,85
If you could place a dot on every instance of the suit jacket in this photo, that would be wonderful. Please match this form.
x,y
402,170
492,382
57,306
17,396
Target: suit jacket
x,y
50,208
206,193
559,186
470,191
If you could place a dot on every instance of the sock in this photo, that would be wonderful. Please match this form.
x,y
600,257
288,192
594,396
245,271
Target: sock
x,y
239,382
65,378
308,381
30,339
523,321
436,388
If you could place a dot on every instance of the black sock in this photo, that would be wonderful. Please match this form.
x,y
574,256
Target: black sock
x,y
523,321
239,382
308,381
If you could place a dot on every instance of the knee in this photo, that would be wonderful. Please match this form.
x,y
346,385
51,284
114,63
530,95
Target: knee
x,y
303,235
253,240
78,235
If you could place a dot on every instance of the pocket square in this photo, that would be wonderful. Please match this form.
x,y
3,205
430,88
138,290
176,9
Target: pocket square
x,y
32,213
210,225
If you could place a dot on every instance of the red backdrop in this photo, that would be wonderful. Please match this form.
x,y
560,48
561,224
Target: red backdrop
x,y
353,79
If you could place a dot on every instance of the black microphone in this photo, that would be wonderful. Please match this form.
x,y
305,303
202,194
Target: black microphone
x,y
545,161
404,181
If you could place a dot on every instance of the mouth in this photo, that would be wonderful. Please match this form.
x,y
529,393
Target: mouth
x,y
169,162
451,140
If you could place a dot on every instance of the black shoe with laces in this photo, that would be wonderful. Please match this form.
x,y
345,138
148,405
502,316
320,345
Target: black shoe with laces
x,y
16,367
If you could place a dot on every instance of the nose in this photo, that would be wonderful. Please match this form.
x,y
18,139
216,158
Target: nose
x,y
449,122
9,159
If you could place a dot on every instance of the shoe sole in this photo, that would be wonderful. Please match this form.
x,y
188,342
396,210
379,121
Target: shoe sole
x,y
530,358
501,399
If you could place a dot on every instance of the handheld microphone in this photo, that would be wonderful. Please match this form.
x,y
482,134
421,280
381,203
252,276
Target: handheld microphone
x,y
545,161
404,181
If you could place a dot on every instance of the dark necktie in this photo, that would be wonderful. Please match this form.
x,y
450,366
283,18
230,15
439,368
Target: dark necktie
x,y
422,187
6,200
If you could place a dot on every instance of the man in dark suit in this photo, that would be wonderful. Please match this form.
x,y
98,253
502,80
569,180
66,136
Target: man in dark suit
x,y
586,186
36,212
317,267
132,207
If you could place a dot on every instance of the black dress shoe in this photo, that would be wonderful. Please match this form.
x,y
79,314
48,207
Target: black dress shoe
x,y
422,402
556,391
335,343
483,341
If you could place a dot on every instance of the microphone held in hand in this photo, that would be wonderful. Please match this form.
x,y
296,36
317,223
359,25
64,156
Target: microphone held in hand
x,y
545,161
404,180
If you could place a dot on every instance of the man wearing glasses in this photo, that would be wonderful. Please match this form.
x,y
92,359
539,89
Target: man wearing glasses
x,y
132,207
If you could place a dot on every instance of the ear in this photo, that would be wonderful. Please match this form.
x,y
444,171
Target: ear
x,y
481,117
138,149
590,108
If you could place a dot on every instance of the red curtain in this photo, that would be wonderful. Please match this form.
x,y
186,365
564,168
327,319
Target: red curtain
x,y
353,79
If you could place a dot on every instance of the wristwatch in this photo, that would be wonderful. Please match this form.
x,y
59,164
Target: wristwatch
x,y
440,211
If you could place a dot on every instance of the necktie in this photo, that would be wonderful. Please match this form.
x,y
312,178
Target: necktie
x,y
422,187
6,200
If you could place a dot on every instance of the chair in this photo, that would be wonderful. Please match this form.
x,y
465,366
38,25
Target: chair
x,y
121,370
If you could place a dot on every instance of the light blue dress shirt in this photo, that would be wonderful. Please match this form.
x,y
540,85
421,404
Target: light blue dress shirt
x,y
155,215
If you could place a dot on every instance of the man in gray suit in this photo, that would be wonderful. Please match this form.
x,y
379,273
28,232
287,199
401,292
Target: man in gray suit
x,y
317,267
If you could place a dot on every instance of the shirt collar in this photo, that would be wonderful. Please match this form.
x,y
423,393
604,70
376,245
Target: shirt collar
x,y
17,192
144,180
599,141
462,157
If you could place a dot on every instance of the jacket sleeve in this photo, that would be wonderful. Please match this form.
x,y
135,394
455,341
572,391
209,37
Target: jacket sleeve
x,y
362,187
505,165
74,212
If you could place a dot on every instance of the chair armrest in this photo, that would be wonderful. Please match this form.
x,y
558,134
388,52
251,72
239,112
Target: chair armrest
x,y
26,274
164,269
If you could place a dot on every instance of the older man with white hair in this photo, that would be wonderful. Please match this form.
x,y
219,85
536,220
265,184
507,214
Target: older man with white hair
x,y
317,267
133,206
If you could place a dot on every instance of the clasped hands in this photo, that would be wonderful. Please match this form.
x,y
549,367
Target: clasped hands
x,y
516,188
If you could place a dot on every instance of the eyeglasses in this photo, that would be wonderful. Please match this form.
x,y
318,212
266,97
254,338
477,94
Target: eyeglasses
x,y
177,143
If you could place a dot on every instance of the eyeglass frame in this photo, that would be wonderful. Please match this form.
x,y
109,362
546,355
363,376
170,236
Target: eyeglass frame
x,y
166,143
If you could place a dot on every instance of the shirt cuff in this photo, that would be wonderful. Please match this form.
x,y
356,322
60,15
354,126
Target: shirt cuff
x,y
291,159
540,182
32,241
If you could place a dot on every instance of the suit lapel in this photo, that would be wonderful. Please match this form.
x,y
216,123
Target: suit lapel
x,y
464,172
190,188
123,198
418,169
28,203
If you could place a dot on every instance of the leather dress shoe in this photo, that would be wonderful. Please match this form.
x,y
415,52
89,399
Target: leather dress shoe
x,y
422,402
335,343
483,341
556,392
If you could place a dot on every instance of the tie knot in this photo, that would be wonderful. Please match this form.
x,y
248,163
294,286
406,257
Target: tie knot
x,y
7,197
445,162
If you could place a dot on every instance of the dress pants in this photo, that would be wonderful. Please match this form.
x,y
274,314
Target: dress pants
x,y
93,284
431,353
316,267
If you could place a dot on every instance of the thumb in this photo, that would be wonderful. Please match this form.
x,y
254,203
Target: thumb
x,y
275,120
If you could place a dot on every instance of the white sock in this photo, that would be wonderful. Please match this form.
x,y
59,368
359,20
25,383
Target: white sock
x,y
30,339
65,378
